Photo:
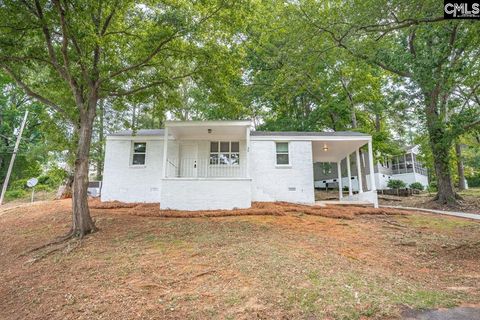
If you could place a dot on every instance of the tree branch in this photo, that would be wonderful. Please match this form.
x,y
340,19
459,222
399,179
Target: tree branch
x,y
150,85
33,94
341,44
472,125
159,48
391,26
411,43
48,38
146,59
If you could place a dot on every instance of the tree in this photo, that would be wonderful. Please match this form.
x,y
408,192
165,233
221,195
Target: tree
x,y
421,50
69,55
31,154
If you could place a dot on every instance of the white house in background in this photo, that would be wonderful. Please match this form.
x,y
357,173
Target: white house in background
x,y
405,167
206,165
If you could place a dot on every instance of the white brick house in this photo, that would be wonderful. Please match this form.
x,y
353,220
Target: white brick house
x,y
222,165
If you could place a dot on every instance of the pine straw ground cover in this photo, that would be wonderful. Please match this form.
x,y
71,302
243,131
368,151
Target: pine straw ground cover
x,y
274,261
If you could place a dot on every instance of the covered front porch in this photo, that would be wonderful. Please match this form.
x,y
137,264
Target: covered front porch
x,y
334,150
205,165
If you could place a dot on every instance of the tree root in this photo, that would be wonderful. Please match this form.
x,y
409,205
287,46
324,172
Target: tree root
x,y
448,201
66,247
71,234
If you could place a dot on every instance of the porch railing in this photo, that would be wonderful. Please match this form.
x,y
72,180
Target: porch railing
x,y
206,168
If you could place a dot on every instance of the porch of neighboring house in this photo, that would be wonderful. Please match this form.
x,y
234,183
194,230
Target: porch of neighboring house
x,y
205,165
337,150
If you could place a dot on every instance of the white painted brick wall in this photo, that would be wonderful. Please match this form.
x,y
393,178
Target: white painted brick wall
x,y
202,194
127,183
274,183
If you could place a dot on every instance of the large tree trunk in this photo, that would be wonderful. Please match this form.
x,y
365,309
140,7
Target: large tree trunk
x,y
440,144
460,168
82,221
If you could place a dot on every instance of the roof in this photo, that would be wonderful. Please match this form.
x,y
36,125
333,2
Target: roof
x,y
300,133
141,132
159,132
206,123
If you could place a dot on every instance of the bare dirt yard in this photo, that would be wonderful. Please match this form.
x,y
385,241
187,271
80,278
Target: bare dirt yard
x,y
282,262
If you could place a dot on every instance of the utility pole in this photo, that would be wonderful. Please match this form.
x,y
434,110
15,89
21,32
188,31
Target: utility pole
x,y
12,160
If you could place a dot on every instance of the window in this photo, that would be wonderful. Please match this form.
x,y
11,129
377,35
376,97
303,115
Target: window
x,y
224,153
282,153
327,168
139,153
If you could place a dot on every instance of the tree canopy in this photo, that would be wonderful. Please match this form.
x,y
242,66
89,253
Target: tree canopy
x,y
394,69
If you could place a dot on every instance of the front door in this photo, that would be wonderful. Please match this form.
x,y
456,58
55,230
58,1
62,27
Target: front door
x,y
188,160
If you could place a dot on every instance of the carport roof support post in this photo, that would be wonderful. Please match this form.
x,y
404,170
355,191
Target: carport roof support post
x,y
340,187
165,149
359,172
349,172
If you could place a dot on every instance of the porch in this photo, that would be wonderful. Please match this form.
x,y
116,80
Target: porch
x,y
205,165
337,149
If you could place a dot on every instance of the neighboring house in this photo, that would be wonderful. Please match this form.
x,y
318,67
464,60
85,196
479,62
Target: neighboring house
x,y
197,165
406,167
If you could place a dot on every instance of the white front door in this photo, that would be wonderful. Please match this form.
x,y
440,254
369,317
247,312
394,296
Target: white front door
x,y
188,160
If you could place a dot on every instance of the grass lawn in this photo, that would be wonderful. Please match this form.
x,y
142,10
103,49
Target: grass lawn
x,y
242,267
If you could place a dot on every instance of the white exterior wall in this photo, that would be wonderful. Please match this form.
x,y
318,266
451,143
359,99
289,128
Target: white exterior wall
x,y
293,183
409,178
205,194
381,180
127,183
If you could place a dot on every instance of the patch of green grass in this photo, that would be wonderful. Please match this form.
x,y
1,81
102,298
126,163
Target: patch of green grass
x,y
427,299
355,294
437,223
474,192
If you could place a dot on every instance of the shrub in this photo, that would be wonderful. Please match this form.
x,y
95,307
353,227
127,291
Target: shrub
x,y
416,186
15,194
474,182
43,187
396,184
432,187
53,177
20,184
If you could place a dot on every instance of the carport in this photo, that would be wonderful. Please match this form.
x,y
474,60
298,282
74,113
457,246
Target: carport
x,y
334,147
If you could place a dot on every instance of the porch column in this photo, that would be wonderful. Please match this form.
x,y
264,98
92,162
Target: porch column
x,y
165,149
359,172
340,187
370,161
349,173
247,154
413,163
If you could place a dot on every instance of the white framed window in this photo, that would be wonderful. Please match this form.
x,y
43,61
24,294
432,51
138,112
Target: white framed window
x,y
282,153
139,153
327,167
225,153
